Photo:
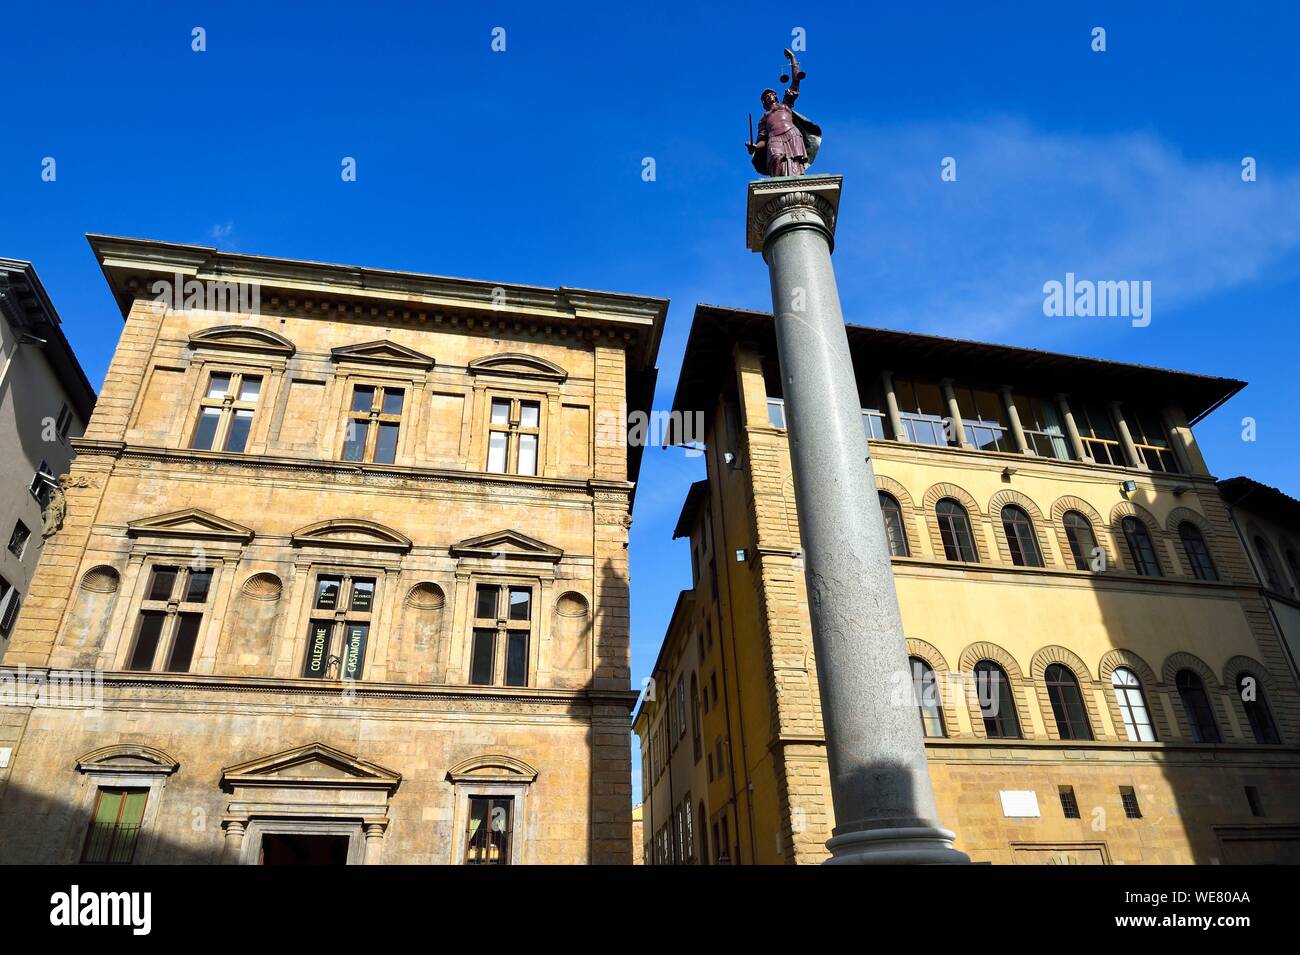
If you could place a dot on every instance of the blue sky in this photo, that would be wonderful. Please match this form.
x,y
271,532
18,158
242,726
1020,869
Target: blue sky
x,y
525,166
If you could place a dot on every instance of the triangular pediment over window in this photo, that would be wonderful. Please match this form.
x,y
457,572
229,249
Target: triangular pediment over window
x,y
312,766
514,365
352,533
383,352
242,338
506,543
190,523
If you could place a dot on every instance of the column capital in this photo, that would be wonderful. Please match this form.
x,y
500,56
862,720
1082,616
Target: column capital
x,y
775,204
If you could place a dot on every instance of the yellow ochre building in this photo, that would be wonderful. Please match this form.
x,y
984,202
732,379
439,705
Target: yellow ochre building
x,y
1096,668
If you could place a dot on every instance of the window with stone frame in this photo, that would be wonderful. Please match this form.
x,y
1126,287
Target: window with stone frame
x,y
115,823
514,435
1022,542
1082,540
374,423
170,618
226,411
502,634
895,535
1151,441
1141,550
489,830
1198,553
342,610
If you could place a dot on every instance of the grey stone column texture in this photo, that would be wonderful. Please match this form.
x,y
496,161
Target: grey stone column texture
x,y
880,782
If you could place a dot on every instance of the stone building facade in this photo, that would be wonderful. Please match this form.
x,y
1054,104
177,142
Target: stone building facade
x,y
347,551
1093,663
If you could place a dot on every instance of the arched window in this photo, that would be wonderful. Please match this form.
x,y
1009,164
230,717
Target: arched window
x,y
1251,691
1021,539
695,718
894,532
926,689
954,528
993,690
1198,555
1293,562
1140,548
1268,564
1067,703
1132,706
1083,542
1196,707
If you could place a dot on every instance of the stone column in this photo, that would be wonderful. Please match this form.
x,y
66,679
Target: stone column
x,y
880,782
234,841
954,412
1181,440
1072,430
891,406
374,843
1125,437
1013,416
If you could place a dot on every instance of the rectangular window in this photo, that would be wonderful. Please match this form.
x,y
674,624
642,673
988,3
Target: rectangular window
x,y
64,423
1152,441
1069,804
373,424
114,826
1253,800
923,410
1097,430
776,412
1129,798
501,635
1042,426
339,629
226,412
42,484
514,436
18,539
171,618
983,419
8,607
487,838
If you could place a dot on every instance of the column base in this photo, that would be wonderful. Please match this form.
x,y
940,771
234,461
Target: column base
x,y
914,845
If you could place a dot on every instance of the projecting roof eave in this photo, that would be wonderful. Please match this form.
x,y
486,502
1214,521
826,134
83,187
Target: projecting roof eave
x,y
715,331
131,265
1268,502
691,509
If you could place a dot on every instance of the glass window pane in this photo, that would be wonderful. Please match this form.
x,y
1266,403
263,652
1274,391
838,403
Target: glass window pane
x,y
497,452
187,635
240,425
196,590
363,398
393,400
162,583
250,387
146,641
485,606
529,414
517,659
500,411
776,412
206,430
218,385
528,454
327,592
354,446
520,603
480,667
363,595
386,445
354,650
